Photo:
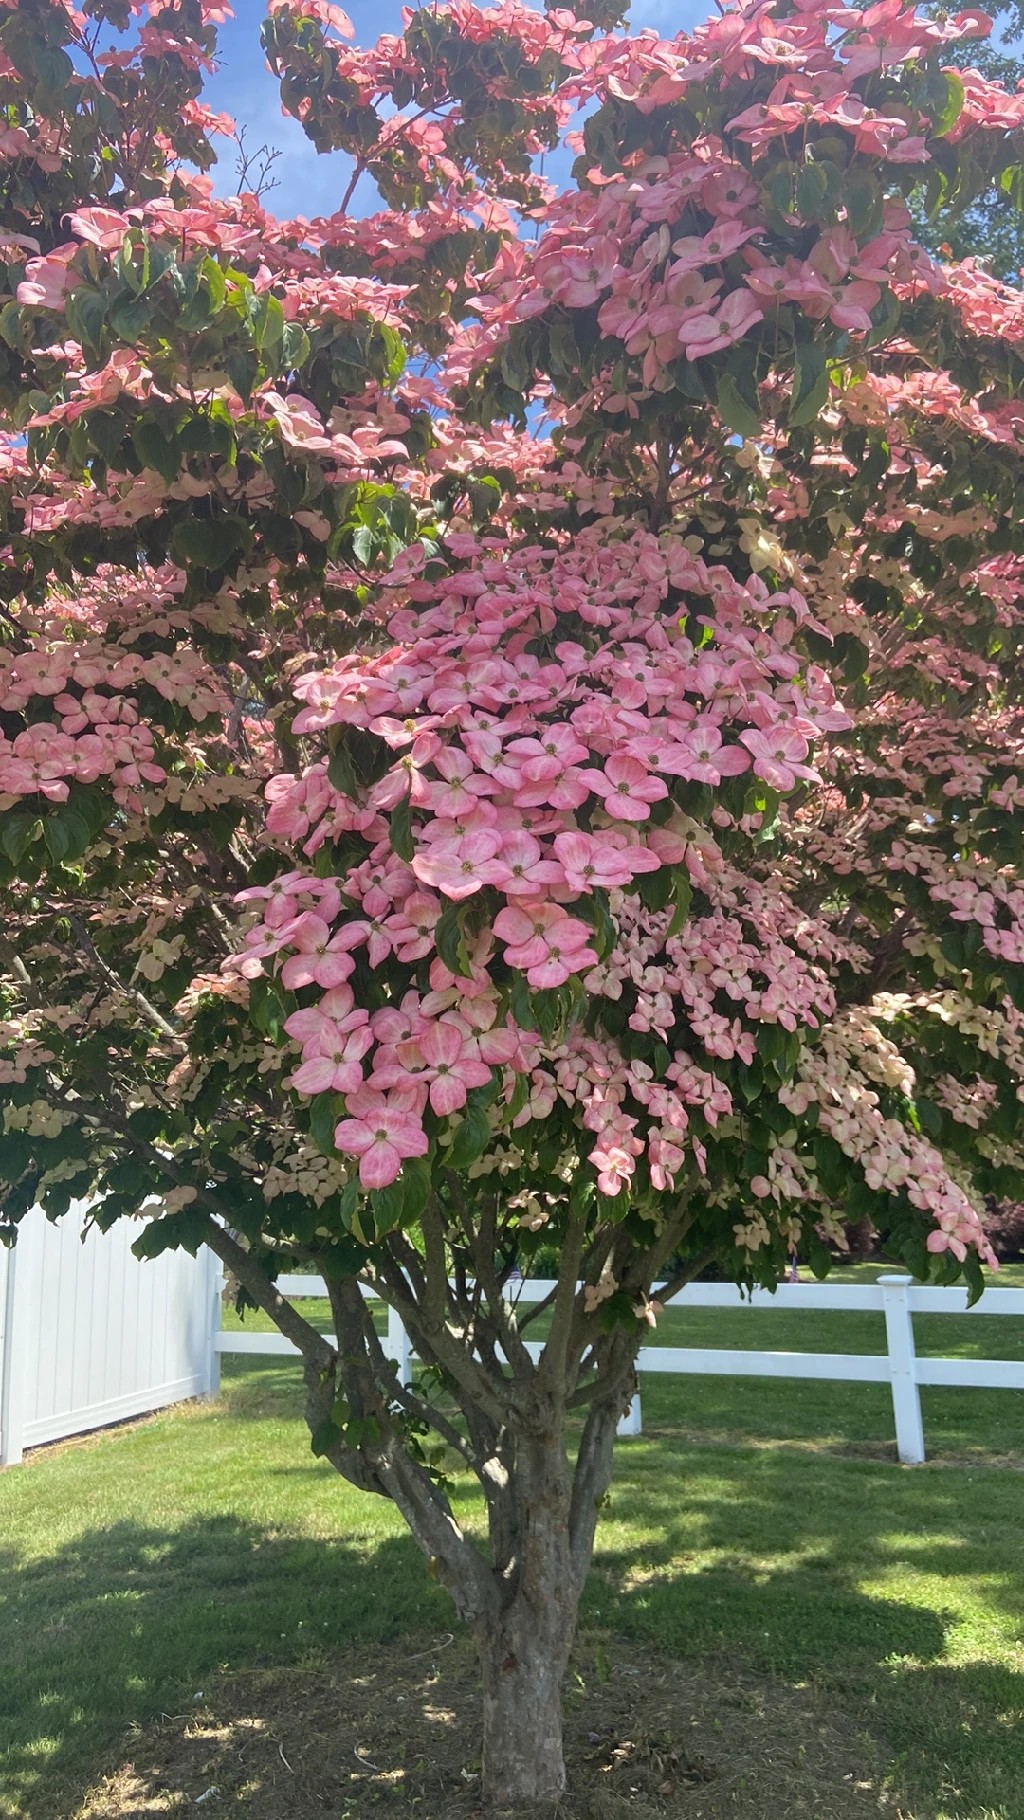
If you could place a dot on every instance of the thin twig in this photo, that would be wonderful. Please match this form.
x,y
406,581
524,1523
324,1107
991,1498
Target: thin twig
x,y
87,945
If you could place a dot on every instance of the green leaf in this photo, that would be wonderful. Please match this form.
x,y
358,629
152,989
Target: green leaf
x,y
929,1117
155,450
55,834
66,833
594,910
810,384
129,316
18,832
484,498
243,371
266,317
294,345
135,276
780,190
365,543
267,1008
974,1277
324,1437
342,774
15,324
521,1005
324,1114
448,940
216,284
656,888
417,1180
348,1201
811,191
394,350
400,829
206,543
85,314
184,1231
516,366
386,1205
862,198
53,67
951,105
682,894
735,409
818,1256
471,1139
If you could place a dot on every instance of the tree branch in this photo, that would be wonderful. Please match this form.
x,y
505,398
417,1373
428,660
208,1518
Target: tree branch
x,y
264,1292
89,948
426,1319
421,1501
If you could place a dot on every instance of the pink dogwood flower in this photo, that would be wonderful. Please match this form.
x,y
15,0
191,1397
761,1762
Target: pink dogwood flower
x,y
545,942
589,861
442,1056
322,959
452,863
336,1067
778,756
519,868
628,788
411,929
700,754
382,1134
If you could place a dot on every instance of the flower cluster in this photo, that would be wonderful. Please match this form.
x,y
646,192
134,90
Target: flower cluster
x,y
620,802
541,729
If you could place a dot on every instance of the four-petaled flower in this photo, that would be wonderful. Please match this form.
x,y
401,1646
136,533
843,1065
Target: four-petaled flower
x,y
381,1133
628,788
545,942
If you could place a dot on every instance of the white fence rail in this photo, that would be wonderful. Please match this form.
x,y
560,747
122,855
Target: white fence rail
x,y
90,1335
895,1297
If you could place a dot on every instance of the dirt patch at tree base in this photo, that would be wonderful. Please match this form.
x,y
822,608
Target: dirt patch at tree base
x,y
394,1731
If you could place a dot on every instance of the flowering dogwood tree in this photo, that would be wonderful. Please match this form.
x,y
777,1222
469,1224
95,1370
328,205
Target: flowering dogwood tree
x,y
511,740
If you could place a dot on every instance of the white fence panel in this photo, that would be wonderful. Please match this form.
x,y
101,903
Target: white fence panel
x,y
896,1297
91,1335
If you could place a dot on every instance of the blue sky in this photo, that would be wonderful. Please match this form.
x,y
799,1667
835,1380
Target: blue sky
x,y
309,184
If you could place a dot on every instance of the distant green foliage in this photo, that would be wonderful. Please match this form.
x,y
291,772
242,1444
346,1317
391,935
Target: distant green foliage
x,y
989,228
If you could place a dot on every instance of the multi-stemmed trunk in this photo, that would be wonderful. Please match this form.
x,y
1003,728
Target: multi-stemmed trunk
x,y
519,1598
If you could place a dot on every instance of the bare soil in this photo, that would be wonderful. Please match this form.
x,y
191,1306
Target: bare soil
x,y
393,1731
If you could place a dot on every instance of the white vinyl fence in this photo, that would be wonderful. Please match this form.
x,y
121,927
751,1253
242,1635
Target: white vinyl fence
x,y
89,1335
896,1297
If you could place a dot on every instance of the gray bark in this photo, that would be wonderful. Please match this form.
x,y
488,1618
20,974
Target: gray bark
x,y
524,1653
523,1662
542,1555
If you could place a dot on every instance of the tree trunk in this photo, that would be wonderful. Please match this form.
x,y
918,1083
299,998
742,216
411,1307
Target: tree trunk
x,y
523,1661
524,1650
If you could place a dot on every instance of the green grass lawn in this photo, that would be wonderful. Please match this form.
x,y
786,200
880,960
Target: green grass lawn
x,y
759,1521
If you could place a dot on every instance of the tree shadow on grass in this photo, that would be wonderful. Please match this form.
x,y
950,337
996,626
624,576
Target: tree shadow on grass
x,y
129,1622
777,1561
851,1575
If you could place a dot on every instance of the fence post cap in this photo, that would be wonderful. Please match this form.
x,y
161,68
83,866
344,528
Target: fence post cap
x,y
903,1280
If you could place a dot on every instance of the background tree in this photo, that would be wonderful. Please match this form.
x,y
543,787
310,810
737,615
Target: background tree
x,y
425,840
982,226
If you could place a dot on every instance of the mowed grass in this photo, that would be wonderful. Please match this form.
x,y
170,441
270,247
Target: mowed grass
x,y
759,1522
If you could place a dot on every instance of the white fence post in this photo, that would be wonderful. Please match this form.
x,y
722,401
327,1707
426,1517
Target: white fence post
x,y
399,1347
906,1396
214,1304
23,1265
632,1423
